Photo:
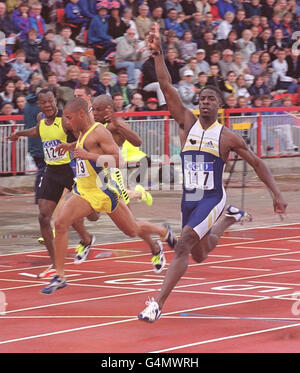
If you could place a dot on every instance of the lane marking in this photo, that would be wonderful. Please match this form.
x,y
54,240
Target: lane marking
x,y
242,268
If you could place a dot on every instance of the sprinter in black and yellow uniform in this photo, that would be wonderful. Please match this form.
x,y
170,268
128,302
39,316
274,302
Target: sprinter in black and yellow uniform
x,y
58,174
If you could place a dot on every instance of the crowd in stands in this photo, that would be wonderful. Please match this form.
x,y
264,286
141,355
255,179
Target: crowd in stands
x,y
249,49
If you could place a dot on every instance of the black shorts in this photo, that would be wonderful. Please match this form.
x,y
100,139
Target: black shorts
x,y
53,182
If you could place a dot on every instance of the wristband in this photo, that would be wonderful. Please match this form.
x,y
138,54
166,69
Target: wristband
x,y
157,53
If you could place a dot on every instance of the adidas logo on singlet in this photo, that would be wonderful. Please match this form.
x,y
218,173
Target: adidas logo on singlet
x,y
209,144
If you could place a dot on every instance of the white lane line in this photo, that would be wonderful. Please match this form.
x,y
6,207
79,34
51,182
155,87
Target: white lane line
x,y
226,338
242,268
261,248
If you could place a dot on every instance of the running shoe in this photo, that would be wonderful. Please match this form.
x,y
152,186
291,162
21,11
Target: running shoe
x,y
55,284
82,251
146,196
151,312
238,214
49,272
159,260
170,237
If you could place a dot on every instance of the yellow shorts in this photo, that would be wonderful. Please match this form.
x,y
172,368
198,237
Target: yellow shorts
x,y
100,200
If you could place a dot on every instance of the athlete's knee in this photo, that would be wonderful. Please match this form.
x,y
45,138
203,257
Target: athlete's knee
x,y
60,225
44,219
199,254
182,248
132,231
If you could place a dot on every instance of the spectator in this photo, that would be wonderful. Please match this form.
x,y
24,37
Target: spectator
x,y
136,105
202,6
208,43
258,88
143,22
196,27
254,65
181,20
94,75
186,89
72,75
58,66
252,8
203,65
246,46
225,26
189,8
266,62
5,67
193,66
214,9
241,87
23,70
171,42
230,82
267,9
127,18
152,105
287,23
8,93
225,6
173,66
226,62
21,88
231,102
172,24
202,81
6,24
48,40
43,60
98,36
187,48
88,8
128,56
116,26
277,42
118,102
293,61
7,108
52,80
31,47
156,16
280,67
208,24
229,43
74,15
63,41
122,87
264,41
275,22
20,18
20,105
36,21
76,58
133,5
215,57
104,87
214,78
256,102
150,83
239,24
84,78
157,3
173,4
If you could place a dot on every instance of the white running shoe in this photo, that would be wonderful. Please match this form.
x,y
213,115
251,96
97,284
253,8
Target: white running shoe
x,y
237,214
82,251
159,260
49,272
151,312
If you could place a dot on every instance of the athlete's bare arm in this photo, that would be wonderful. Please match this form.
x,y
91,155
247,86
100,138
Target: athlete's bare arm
x,y
120,130
30,132
183,116
237,144
101,148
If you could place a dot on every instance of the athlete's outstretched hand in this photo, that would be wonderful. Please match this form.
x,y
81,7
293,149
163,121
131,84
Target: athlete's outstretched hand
x,y
63,148
13,136
279,204
153,39
81,153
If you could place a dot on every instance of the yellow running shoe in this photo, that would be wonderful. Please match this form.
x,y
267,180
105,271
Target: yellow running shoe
x,y
41,239
146,196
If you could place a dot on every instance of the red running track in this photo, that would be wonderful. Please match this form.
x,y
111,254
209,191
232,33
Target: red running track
x,y
243,298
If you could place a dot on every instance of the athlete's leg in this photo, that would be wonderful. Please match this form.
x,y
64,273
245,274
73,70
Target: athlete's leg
x,y
125,221
46,209
74,209
210,241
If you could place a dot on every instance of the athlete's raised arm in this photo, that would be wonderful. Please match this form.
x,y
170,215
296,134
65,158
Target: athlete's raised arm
x,y
179,112
30,132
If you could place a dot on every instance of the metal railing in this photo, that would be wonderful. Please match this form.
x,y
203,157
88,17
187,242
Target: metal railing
x,y
273,132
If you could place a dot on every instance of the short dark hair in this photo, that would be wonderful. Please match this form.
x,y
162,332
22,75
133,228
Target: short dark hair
x,y
87,90
216,90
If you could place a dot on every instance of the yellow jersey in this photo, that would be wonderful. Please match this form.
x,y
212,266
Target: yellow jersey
x,y
52,136
94,183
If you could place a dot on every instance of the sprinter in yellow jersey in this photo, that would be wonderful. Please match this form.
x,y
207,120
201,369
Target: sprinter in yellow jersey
x,y
58,174
96,153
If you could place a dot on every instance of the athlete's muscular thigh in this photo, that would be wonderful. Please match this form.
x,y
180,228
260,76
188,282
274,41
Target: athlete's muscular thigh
x,y
201,249
188,239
